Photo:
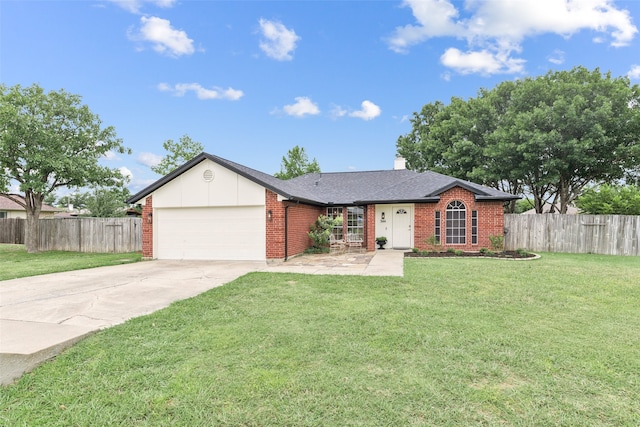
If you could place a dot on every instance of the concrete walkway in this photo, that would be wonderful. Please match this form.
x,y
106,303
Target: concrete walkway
x,y
40,316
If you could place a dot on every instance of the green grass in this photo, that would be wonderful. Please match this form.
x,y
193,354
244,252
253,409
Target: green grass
x,y
550,342
16,262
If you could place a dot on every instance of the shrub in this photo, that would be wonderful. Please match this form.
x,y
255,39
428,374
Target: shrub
x,y
486,252
434,243
320,231
497,242
451,250
459,252
415,250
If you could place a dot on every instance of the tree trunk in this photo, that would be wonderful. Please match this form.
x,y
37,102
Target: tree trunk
x,y
33,206
564,196
31,234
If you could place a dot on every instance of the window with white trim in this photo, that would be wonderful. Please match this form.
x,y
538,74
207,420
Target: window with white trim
x,y
355,222
456,223
437,227
474,227
336,214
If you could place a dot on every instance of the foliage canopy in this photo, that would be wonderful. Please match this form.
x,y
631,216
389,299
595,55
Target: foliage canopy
x,y
177,154
548,136
48,141
296,163
610,200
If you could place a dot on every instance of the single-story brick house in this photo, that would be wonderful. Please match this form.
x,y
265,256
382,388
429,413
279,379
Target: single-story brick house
x,y
212,208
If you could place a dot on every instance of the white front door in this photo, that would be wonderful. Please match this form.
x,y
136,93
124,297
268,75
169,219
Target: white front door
x,y
402,230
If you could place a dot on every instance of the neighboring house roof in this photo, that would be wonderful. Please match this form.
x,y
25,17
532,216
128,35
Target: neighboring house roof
x,y
571,210
345,188
9,205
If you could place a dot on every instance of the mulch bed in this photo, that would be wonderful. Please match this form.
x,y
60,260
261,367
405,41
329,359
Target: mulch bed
x,y
505,254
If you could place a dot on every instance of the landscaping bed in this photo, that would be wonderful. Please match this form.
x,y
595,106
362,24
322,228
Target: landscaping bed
x,y
519,254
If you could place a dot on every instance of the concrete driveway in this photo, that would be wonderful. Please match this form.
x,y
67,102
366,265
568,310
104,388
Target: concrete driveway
x,y
42,315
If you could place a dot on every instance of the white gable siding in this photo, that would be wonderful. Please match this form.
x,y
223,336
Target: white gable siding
x,y
226,189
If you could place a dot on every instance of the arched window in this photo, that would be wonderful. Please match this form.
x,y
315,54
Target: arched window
x,y
456,223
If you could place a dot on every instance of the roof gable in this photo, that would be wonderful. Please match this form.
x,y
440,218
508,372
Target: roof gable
x,y
457,183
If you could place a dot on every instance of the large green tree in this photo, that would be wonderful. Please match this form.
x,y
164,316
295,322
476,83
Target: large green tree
x,y
47,141
296,163
177,153
548,136
610,200
105,202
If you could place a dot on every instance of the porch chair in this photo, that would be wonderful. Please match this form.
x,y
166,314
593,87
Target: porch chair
x,y
335,243
354,240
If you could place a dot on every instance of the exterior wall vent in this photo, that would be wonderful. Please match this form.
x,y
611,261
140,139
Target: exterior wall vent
x,y
208,175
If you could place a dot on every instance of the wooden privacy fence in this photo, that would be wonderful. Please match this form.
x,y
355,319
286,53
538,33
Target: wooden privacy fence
x,y
597,234
103,235
12,230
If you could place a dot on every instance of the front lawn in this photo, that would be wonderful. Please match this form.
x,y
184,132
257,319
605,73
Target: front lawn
x,y
16,262
455,342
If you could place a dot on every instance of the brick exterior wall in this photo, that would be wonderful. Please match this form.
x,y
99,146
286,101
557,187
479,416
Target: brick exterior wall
x,y
147,228
370,228
300,218
275,228
490,220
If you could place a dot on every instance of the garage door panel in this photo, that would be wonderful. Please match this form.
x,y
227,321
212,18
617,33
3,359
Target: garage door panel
x,y
229,233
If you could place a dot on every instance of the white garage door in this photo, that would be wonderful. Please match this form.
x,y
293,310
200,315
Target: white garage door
x,y
221,233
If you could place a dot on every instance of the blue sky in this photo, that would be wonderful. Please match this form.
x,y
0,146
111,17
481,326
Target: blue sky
x,y
252,79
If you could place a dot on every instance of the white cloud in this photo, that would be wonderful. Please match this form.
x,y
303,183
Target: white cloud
x,y
482,62
138,184
164,39
149,159
181,89
495,29
303,106
126,172
634,72
279,42
110,155
134,6
337,111
557,57
369,111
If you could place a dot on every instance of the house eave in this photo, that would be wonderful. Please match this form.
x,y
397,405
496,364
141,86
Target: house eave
x,y
497,198
398,201
195,161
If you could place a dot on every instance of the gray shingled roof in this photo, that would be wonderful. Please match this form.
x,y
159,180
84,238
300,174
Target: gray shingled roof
x,y
427,187
344,188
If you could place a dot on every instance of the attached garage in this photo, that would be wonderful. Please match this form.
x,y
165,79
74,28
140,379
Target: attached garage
x,y
206,212
206,233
